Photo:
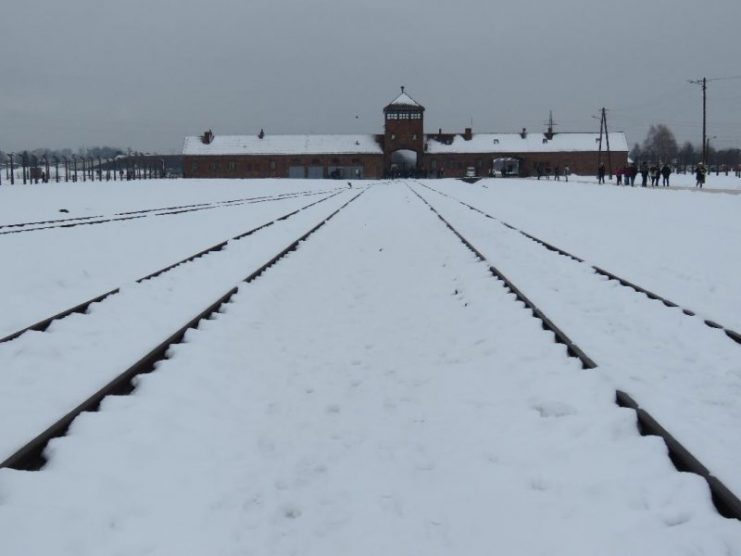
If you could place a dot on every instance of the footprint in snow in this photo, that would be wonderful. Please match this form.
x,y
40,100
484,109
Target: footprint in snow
x,y
553,409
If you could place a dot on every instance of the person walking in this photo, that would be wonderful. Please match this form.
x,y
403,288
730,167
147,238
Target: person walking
x,y
632,172
601,173
557,173
644,173
654,175
666,171
700,175
566,172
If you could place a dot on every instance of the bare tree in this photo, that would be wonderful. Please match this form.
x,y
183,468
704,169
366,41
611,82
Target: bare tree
x,y
660,144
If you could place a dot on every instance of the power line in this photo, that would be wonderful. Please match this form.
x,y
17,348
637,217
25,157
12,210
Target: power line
x,y
724,78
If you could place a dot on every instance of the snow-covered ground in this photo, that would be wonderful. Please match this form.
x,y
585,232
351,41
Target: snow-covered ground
x,y
377,391
47,271
713,182
687,374
683,245
30,203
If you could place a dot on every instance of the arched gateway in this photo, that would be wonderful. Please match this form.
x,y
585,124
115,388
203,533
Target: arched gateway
x,y
403,135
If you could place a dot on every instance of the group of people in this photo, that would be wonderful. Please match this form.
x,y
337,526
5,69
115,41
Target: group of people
x,y
627,175
558,172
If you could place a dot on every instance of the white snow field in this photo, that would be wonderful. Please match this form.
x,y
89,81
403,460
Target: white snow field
x,y
682,245
49,270
377,391
714,183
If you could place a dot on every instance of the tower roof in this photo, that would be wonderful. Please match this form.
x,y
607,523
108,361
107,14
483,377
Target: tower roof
x,y
403,101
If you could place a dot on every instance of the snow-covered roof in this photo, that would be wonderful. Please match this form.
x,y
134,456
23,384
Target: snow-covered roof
x,y
404,100
283,144
532,143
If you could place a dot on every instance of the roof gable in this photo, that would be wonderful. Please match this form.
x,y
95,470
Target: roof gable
x,y
403,101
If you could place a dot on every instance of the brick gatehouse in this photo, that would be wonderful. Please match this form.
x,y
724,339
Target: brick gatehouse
x,y
403,149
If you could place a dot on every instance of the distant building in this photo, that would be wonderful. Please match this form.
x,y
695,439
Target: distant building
x,y
403,149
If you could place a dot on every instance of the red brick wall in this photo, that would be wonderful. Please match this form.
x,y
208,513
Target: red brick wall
x,y
582,163
403,134
276,166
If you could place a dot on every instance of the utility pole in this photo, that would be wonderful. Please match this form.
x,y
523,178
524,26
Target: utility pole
x,y
704,84
603,129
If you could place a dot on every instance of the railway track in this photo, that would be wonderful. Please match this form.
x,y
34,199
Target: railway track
x,y
30,456
442,419
42,325
8,229
732,334
724,500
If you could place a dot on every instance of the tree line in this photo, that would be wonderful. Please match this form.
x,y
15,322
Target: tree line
x,y
660,145
86,152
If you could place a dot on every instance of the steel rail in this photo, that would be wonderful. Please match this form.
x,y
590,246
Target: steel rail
x,y
732,334
42,325
30,457
724,500
142,211
134,215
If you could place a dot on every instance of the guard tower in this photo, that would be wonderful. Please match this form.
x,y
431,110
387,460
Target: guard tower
x,y
403,145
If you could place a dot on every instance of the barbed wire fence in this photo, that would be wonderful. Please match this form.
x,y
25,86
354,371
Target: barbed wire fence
x,y
28,168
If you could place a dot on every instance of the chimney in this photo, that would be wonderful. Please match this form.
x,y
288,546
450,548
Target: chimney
x,y
261,134
523,133
207,137
468,134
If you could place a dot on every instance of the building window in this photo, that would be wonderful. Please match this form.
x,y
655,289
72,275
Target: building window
x,y
393,137
272,164
194,167
232,166
414,137
213,166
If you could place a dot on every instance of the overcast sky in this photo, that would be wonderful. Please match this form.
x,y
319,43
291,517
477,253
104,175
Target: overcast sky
x,y
145,73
